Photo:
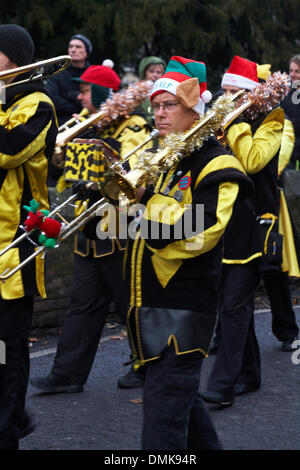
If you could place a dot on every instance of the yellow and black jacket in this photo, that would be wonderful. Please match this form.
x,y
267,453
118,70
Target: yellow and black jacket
x,y
123,135
256,145
173,265
28,129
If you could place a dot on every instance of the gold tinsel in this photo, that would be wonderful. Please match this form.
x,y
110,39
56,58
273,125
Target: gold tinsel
x,y
180,145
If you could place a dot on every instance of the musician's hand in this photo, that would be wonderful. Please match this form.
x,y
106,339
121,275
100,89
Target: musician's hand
x,y
58,157
80,189
86,190
77,117
140,193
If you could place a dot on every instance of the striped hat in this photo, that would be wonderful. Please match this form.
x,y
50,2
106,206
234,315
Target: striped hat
x,y
186,79
242,73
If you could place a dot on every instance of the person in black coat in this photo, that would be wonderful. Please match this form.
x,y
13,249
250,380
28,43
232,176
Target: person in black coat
x,y
291,106
64,91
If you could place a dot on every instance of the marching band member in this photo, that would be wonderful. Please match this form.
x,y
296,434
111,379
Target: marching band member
x,y
97,263
174,279
255,144
28,129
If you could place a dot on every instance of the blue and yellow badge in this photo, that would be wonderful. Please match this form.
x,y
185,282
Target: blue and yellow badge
x,y
184,182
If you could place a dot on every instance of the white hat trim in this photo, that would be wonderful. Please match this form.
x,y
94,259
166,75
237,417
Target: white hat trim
x,y
170,85
231,79
165,84
200,107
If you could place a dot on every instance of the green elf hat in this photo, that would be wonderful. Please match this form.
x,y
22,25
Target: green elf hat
x,y
186,79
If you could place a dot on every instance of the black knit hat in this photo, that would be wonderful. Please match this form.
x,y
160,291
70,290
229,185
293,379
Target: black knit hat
x,y
16,43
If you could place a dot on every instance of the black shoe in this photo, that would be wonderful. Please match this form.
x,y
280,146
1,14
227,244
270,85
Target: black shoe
x,y
288,345
215,398
54,384
242,389
213,348
27,426
131,380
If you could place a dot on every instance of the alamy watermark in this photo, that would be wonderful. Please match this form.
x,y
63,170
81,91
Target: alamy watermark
x,y
296,353
2,92
161,221
2,352
296,94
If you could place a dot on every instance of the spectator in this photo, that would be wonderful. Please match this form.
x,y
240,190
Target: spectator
x,y
291,106
64,91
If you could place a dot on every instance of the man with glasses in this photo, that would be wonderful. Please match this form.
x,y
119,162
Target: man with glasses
x,y
174,279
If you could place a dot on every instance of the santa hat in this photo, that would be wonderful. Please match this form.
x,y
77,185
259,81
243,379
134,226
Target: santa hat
x,y
242,73
100,75
103,79
186,79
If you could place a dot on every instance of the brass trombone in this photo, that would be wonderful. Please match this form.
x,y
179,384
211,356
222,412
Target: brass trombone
x,y
116,184
70,227
40,70
74,120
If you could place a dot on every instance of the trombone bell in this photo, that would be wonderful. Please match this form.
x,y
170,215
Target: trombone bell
x,y
40,70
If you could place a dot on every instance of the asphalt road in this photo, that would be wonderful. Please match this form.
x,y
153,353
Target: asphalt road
x,y
107,418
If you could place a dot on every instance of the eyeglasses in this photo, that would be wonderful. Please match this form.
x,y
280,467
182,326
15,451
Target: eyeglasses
x,y
168,106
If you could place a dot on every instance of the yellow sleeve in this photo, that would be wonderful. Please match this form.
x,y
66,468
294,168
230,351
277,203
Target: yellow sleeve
x,y
287,145
208,238
255,151
131,133
23,130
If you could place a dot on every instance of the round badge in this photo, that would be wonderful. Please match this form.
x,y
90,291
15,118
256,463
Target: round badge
x,y
178,195
184,182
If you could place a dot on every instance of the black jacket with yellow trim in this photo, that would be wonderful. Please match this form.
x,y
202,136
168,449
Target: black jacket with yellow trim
x,y
28,129
256,145
173,266
123,135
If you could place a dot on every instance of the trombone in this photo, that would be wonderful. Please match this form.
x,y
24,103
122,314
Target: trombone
x,y
116,184
39,70
70,227
74,120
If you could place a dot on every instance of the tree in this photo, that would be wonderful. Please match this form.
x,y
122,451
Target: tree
x,y
127,30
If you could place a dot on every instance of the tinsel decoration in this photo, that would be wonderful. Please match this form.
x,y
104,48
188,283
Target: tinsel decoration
x,y
267,95
123,103
180,145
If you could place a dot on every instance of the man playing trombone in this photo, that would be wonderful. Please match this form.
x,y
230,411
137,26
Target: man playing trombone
x,y
28,129
97,263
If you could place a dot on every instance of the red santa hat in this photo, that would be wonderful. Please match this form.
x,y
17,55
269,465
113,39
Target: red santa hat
x,y
242,73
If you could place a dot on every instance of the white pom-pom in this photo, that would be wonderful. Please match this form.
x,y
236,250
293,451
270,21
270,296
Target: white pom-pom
x,y
108,63
206,96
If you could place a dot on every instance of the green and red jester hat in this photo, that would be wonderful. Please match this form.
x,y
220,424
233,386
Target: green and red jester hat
x,y
186,79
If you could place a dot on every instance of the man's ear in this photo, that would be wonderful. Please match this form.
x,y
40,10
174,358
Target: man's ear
x,y
188,92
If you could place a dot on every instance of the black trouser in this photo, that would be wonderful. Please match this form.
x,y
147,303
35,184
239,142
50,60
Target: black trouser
x,y
175,416
97,281
284,324
238,357
15,324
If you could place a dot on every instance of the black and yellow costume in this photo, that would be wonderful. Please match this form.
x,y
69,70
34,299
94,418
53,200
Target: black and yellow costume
x,y
28,131
174,279
123,136
97,271
256,145
27,136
